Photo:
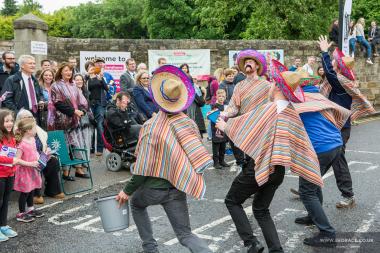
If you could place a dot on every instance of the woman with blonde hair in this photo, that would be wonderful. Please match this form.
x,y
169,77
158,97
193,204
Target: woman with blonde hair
x,y
361,38
219,74
142,96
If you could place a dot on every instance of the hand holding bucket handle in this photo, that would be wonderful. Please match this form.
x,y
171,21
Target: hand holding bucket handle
x,y
122,197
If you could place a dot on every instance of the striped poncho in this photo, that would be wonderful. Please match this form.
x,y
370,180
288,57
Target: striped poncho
x,y
360,105
316,102
248,94
275,139
170,147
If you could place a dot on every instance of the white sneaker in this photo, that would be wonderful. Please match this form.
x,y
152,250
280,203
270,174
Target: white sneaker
x,y
3,237
369,61
346,202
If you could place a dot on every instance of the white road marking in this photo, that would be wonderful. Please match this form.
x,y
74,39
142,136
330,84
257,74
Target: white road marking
x,y
366,224
372,167
55,221
50,205
291,244
365,152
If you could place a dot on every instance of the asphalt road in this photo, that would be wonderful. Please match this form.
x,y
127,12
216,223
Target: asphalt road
x,y
74,224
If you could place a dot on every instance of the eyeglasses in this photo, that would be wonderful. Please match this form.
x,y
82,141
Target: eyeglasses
x,y
10,58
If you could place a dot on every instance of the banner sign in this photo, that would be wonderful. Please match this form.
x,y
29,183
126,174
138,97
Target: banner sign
x,y
197,59
38,47
346,27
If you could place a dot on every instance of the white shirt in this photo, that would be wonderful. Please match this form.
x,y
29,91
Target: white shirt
x,y
281,105
132,74
25,78
307,68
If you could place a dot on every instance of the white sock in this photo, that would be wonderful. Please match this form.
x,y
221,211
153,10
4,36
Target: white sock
x,y
30,208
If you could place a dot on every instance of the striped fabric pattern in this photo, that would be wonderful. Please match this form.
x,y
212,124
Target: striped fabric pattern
x,y
360,105
170,147
275,139
248,94
316,102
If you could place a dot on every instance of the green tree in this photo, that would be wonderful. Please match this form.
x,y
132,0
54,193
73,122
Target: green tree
x,y
109,19
368,9
169,19
294,20
221,19
10,8
6,27
30,6
60,22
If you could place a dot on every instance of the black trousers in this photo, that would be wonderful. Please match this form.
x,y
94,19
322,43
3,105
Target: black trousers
x,y
238,154
6,186
25,198
374,44
52,183
340,167
218,151
242,188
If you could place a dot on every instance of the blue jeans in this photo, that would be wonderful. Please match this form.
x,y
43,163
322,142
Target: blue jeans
x,y
311,194
365,43
352,43
174,203
98,111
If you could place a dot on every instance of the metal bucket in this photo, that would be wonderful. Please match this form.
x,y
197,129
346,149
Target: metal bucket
x,y
113,218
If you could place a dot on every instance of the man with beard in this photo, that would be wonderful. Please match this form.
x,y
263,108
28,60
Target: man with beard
x,y
8,67
250,92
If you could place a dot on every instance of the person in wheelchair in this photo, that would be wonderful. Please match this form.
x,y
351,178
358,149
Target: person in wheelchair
x,y
121,121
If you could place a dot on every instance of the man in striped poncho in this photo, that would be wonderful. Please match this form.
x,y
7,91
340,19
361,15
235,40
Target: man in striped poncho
x,y
273,137
170,162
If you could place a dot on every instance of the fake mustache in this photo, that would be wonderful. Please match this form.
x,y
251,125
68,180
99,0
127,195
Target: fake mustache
x,y
248,65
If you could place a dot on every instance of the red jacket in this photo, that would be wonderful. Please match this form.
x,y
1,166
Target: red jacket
x,y
6,171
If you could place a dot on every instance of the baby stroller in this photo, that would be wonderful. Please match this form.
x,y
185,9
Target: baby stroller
x,y
122,149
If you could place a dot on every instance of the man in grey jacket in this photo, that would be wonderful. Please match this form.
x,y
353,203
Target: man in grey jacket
x,y
127,80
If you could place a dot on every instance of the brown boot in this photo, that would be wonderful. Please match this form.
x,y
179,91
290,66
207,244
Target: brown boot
x,y
59,196
38,200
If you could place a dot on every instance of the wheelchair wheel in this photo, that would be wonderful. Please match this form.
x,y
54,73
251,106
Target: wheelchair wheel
x,y
113,162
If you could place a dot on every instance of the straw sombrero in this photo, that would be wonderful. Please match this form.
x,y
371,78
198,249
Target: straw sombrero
x,y
345,64
255,55
307,79
171,89
288,82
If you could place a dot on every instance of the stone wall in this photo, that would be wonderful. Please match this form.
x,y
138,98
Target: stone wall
x,y
60,49
6,45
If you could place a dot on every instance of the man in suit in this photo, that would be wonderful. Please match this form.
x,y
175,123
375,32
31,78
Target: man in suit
x,y
374,37
127,80
22,89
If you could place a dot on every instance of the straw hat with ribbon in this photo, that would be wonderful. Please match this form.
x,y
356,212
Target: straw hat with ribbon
x,y
171,89
345,64
255,55
307,79
288,82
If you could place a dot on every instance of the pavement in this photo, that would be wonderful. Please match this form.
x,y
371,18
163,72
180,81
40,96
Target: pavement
x,y
74,225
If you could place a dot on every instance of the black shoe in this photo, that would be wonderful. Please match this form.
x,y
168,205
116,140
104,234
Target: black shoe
x,y
306,220
256,247
85,175
68,178
321,240
224,164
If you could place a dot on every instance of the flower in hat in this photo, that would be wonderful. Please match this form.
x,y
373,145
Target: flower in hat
x,y
288,82
171,89
307,79
255,55
345,64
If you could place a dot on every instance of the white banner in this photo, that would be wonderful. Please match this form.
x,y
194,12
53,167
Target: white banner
x,y
114,62
197,59
346,27
277,54
38,47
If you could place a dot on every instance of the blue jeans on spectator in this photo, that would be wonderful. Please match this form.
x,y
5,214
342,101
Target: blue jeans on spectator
x,y
365,43
98,111
352,43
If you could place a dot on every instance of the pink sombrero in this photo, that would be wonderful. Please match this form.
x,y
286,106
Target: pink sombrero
x,y
255,55
171,89
288,82
345,64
